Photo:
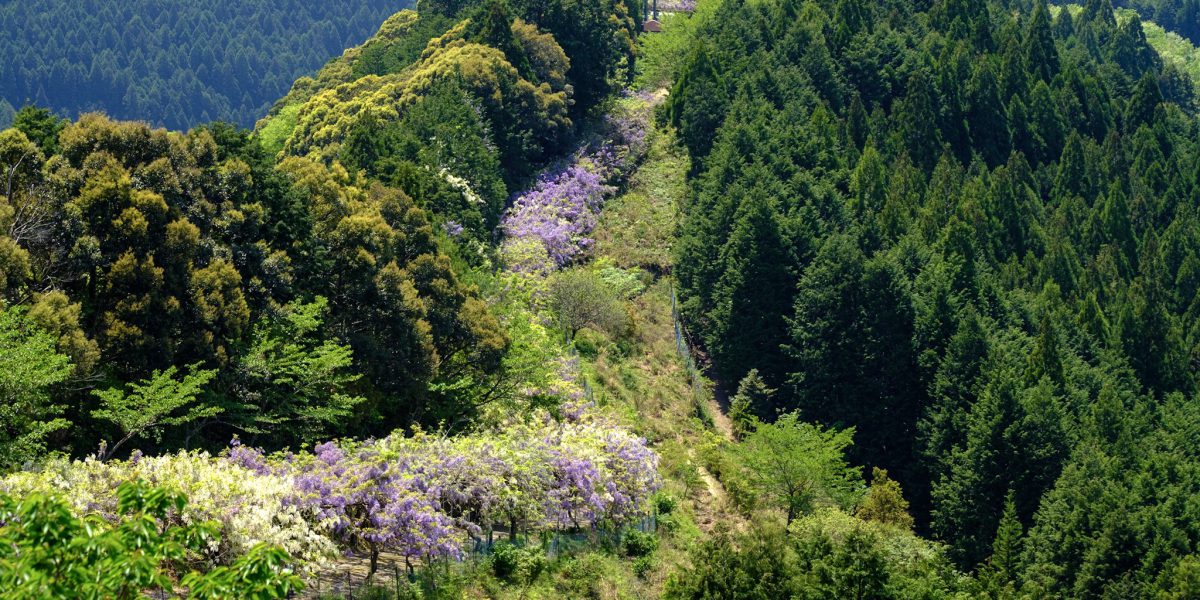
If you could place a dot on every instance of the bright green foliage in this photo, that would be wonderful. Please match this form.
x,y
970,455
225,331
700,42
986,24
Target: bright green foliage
x,y
29,366
884,502
147,408
49,553
580,298
753,398
799,465
827,555
525,110
293,383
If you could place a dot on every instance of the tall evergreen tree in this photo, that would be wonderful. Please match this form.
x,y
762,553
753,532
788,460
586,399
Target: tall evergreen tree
x,y
987,117
1041,56
751,294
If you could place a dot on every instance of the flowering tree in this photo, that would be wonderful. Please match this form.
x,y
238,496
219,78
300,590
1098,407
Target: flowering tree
x,y
371,503
561,209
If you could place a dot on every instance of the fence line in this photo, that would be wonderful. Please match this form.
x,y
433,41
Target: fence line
x,y
696,378
396,573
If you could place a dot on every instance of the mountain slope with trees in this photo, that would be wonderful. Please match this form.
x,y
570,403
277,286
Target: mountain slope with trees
x,y
937,258
966,230
174,64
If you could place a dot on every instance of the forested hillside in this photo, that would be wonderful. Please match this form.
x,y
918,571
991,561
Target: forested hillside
x,y
163,293
970,233
175,64
796,299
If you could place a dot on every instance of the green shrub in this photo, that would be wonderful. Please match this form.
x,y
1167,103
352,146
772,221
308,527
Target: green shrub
x,y
669,523
517,565
582,576
591,343
643,566
664,503
639,544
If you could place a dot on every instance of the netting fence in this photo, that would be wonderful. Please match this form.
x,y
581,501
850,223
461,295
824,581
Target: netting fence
x,y
699,384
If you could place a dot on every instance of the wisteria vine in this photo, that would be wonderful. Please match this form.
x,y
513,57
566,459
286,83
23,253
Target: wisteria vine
x,y
560,211
422,497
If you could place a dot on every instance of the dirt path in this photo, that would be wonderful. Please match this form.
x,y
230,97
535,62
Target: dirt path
x,y
718,405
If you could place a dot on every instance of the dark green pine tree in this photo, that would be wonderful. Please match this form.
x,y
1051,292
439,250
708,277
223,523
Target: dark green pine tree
x,y
494,28
987,117
1014,442
852,17
1151,340
955,387
1130,50
960,19
1064,25
1046,125
916,115
824,329
752,294
697,103
1072,178
1143,104
1013,76
852,351
952,75
1098,14
1118,228
753,399
1092,320
1001,577
1046,358
869,184
1041,56
41,127
858,127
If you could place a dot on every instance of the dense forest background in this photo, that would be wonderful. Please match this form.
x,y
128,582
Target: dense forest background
x,y
969,231
175,64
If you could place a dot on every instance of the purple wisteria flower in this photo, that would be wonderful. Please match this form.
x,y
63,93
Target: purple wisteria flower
x,y
560,211
374,503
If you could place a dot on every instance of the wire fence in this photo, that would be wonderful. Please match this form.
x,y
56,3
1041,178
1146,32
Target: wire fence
x,y
699,384
396,574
